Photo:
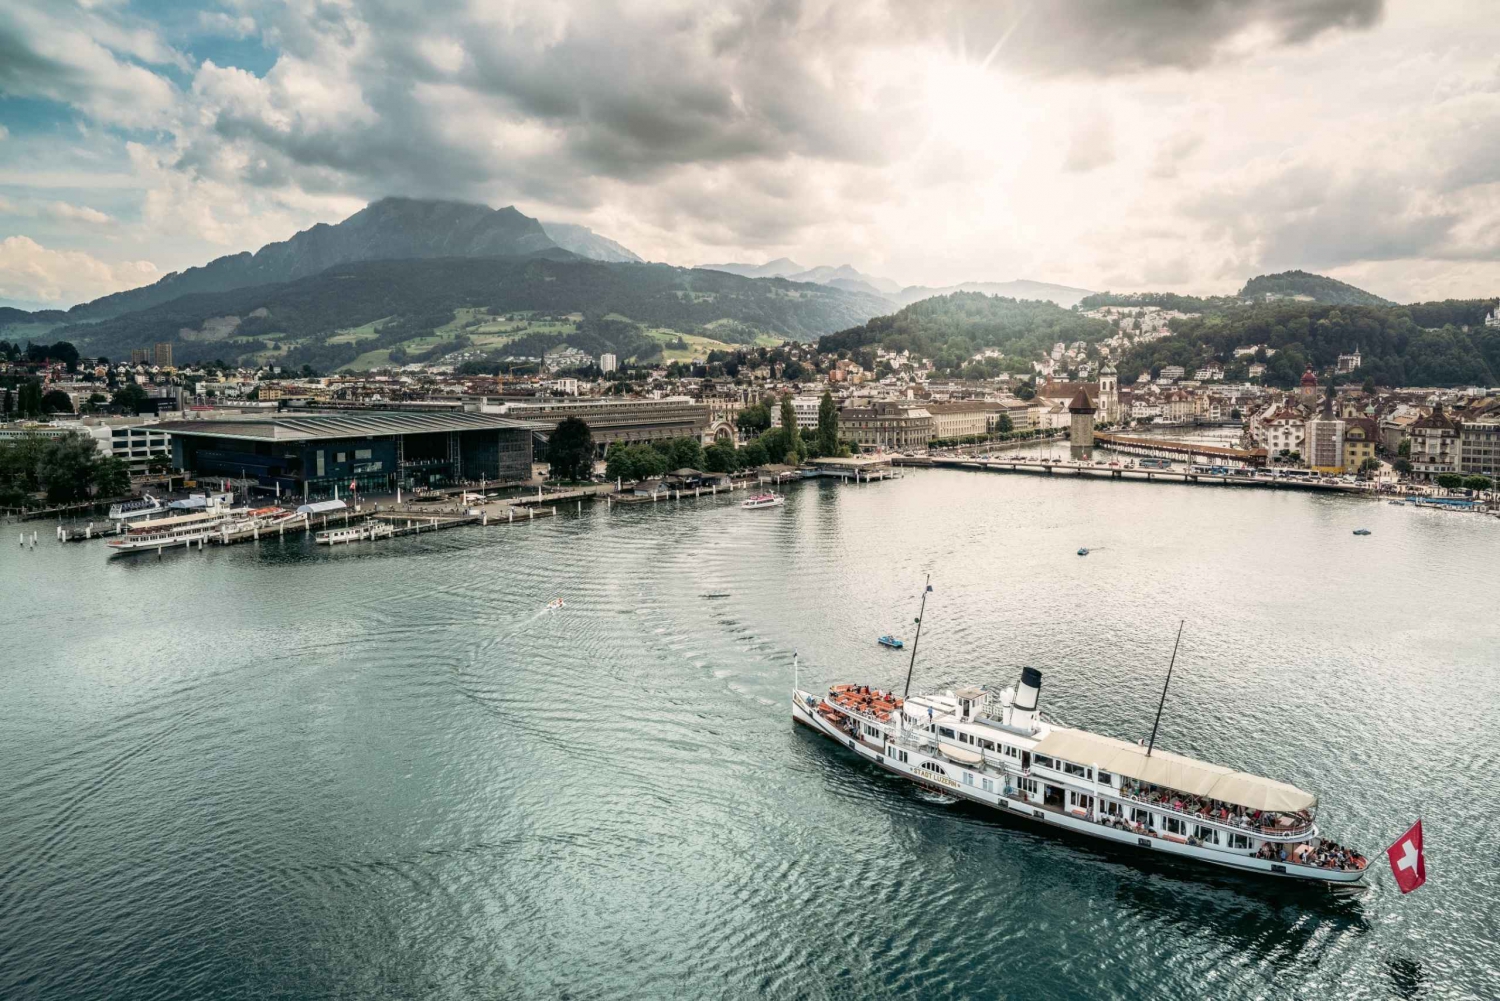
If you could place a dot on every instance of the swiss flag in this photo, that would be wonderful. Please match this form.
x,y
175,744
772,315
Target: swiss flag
x,y
1406,858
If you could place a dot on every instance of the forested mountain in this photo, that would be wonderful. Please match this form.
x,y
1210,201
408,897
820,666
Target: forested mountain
x,y
1322,289
1164,300
330,318
586,243
390,229
1062,295
1423,344
951,329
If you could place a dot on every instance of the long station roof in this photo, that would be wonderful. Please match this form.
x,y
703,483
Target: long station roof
x,y
1174,771
306,427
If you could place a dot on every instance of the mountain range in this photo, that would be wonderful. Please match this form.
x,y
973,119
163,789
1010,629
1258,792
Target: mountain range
x,y
851,279
408,279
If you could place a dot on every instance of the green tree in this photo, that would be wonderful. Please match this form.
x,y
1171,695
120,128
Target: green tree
x,y
1477,482
130,397
754,419
29,398
684,453
55,401
1450,481
634,462
71,468
1369,466
754,454
828,425
792,436
720,458
570,452
1404,449
1003,423
1402,466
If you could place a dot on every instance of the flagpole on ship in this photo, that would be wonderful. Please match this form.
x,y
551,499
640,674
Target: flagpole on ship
x,y
917,639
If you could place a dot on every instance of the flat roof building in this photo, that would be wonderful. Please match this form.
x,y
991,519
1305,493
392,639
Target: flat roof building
x,y
310,454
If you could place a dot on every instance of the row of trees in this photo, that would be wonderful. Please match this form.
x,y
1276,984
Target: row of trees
x,y
785,444
64,469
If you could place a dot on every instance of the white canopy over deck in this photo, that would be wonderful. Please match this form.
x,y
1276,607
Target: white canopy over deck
x,y
1174,771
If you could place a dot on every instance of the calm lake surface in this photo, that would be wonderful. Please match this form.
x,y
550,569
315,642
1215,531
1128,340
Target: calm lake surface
x,y
385,772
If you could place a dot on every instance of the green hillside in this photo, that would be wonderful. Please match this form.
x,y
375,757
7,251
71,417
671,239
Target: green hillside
x,y
1423,344
951,329
1330,291
412,307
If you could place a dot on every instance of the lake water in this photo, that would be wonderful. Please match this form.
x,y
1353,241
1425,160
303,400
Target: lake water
x,y
385,772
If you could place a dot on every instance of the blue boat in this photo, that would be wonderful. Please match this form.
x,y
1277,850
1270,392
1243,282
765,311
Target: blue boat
x,y
891,642
1083,552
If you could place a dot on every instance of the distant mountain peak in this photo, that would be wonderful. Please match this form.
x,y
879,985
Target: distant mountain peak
x,y
391,228
1303,284
586,243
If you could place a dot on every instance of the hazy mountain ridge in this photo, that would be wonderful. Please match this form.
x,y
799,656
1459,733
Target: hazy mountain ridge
x,y
586,243
1062,295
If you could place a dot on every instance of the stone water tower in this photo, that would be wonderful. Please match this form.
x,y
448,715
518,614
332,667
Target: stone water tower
x,y
1081,432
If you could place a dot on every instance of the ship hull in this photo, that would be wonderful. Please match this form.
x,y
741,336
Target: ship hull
x,y
1061,820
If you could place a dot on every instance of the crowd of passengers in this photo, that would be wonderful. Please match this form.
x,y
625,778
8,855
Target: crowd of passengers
x,y
1325,855
1212,809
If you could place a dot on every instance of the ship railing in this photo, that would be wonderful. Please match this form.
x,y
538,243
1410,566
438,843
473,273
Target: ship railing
x,y
1236,825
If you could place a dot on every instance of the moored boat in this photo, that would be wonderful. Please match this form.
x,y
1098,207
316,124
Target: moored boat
x,y
763,500
130,512
998,751
891,641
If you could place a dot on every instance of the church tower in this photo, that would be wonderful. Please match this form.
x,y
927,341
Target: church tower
x,y
1109,392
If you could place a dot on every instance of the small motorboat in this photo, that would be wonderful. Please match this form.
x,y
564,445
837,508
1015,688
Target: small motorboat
x,y
891,641
1361,531
1083,551
555,604
763,500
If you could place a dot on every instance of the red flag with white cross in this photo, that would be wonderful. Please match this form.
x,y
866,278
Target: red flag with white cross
x,y
1407,863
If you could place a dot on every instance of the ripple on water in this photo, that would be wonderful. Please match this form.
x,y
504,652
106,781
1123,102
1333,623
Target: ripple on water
x,y
386,771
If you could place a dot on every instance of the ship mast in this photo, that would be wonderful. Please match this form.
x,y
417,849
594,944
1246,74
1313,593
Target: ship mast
x,y
1163,701
918,638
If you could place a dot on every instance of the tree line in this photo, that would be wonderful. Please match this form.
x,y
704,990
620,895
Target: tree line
x,y
64,470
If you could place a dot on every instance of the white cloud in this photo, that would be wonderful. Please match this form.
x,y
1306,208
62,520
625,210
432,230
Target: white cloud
x,y
32,272
78,213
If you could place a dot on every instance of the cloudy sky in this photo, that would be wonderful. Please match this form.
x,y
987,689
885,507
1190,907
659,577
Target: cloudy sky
x,y
1111,144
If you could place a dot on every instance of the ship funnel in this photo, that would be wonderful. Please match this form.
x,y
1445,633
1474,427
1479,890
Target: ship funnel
x,y
1030,690
1022,714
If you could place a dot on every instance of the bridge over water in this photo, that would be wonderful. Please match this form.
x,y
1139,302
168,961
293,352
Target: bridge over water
x,y
1049,467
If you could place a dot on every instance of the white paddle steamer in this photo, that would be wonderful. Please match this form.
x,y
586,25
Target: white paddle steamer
x,y
999,752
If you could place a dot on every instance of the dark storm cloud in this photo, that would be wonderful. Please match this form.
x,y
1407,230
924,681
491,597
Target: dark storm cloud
x,y
629,92
1110,37
1308,216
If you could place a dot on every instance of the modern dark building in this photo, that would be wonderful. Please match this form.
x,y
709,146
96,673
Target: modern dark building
x,y
309,454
